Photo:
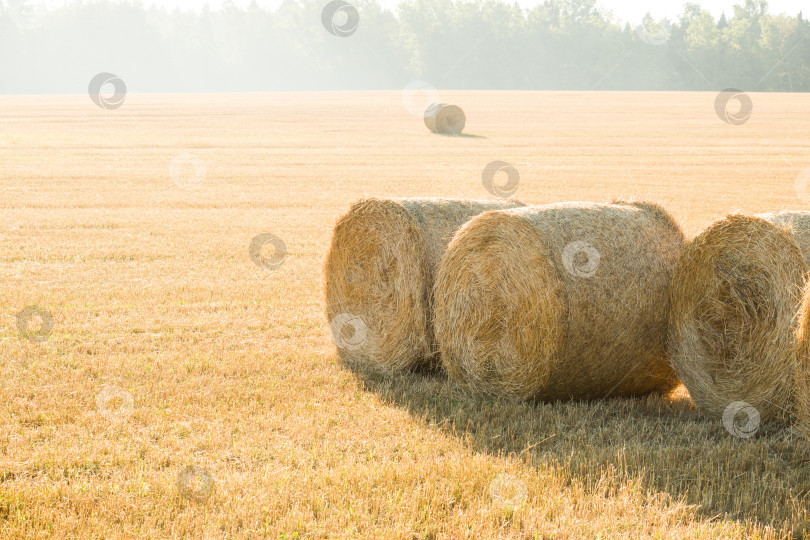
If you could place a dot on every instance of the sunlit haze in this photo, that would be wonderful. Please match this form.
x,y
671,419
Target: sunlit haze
x,y
627,10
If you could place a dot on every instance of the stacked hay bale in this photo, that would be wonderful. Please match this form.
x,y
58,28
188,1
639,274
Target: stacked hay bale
x,y
735,298
379,276
445,119
559,301
802,376
797,223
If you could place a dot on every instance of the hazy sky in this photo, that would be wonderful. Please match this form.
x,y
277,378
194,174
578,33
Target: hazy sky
x,y
628,10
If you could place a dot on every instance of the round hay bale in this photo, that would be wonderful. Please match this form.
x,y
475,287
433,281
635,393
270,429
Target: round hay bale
x,y
735,297
445,119
802,375
797,223
379,276
559,301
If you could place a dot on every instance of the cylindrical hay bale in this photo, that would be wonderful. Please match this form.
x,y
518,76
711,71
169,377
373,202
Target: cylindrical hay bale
x,y
379,276
559,301
445,119
802,375
735,298
797,223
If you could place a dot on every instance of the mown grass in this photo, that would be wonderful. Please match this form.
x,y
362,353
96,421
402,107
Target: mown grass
x,y
231,367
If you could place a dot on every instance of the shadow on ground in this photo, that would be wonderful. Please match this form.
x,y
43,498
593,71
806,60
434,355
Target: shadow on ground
x,y
462,135
658,440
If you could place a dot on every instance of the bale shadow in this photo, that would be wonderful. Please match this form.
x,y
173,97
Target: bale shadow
x,y
660,441
462,135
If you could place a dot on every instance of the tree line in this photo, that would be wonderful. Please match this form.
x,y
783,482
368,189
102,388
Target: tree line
x,y
475,44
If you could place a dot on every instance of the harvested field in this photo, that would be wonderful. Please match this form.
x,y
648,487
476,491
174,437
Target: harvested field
x,y
133,228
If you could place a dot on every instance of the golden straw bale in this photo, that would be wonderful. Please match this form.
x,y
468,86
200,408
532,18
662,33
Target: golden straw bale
x,y
445,119
559,301
735,298
379,276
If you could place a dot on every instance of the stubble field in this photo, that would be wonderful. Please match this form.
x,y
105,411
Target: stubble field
x,y
132,227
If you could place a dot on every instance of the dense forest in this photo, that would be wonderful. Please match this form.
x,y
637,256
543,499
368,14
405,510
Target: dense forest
x,y
317,44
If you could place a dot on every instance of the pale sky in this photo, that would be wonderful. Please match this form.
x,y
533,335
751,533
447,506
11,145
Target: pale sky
x,y
628,10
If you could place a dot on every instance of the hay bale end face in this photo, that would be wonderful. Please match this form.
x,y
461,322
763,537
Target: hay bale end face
x,y
797,223
379,276
445,119
802,375
559,301
735,298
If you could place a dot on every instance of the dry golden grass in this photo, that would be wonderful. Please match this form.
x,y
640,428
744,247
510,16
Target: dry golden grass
x,y
231,367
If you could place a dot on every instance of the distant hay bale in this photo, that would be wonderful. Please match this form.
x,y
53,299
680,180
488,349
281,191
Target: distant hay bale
x,y
445,119
735,298
379,276
559,301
